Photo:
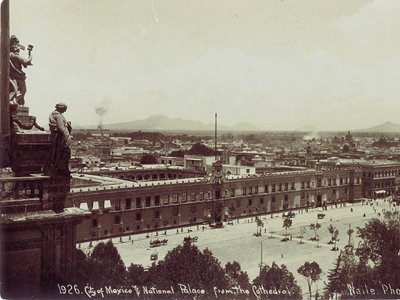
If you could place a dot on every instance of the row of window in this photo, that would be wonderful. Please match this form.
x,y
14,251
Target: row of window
x,y
385,173
167,198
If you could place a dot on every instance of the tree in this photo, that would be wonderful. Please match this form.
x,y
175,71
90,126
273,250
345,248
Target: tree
x,y
187,265
236,277
259,224
287,223
83,268
177,153
380,248
375,262
331,229
136,275
200,149
279,279
335,238
342,274
312,273
107,267
315,227
349,233
148,159
303,230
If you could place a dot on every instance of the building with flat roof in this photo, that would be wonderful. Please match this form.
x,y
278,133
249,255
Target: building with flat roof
x,y
121,207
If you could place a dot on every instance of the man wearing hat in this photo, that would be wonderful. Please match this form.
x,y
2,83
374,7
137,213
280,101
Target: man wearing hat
x,y
16,64
57,164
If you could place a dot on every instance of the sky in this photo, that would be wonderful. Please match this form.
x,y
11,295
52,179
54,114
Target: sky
x,y
280,65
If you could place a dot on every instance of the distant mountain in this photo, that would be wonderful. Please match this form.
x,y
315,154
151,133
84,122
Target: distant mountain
x,y
308,128
385,127
245,126
161,122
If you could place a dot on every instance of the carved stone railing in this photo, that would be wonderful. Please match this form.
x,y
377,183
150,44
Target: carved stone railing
x,y
23,194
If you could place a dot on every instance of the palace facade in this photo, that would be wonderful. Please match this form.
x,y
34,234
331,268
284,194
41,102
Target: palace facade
x,y
121,207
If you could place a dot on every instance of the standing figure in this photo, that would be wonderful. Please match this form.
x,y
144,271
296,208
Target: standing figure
x,y
57,164
17,76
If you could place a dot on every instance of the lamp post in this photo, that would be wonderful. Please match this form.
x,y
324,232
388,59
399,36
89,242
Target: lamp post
x,y
261,256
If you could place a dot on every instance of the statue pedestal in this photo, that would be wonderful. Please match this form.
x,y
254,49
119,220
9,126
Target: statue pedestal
x,y
30,144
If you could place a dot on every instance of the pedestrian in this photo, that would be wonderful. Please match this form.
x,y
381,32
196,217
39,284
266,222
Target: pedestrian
x,y
282,255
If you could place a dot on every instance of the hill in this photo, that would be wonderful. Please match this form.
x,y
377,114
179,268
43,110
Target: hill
x,y
161,122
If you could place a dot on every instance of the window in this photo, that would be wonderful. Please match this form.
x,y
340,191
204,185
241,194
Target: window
x,y
157,200
341,181
273,199
250,190
286,197
250,202
94,223
117,220
157,214
128,203
166,199
244,191
280,187
138,217
256,190
308,184
303,185
184,197
238,204
266,188
148,201
193,196
261,200
292,186
273,188
138,202
286,186
117,205
175,198
233,192
175,211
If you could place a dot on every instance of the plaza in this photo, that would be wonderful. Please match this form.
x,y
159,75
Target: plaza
x,y
237,242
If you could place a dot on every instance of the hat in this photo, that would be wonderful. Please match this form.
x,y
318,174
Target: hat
x,y
61,104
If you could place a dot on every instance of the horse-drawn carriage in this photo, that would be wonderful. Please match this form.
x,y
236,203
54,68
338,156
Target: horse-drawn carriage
x,y
189,239
157,243
289,214
216,224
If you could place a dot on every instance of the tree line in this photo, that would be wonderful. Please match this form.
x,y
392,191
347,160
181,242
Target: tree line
x,y
373,267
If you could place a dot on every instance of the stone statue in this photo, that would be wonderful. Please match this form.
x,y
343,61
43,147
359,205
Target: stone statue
x,y
57,164
17,75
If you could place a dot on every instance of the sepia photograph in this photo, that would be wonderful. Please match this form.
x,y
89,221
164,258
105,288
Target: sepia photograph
x,y
200,149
